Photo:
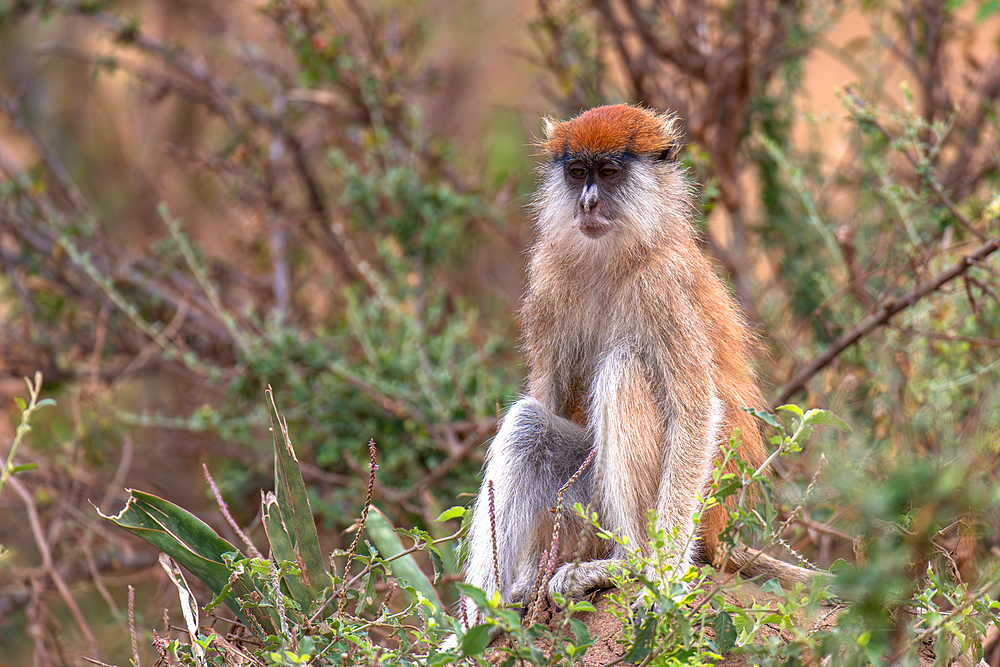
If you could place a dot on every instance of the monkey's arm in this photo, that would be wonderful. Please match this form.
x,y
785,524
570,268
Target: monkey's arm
x,y
692,444
628,428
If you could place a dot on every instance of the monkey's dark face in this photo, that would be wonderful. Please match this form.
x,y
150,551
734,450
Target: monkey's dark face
x,y
596,182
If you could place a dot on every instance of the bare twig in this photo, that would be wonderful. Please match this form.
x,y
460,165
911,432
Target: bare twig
x,y
54,164
885,310
224,508
867,116
35,522
439,472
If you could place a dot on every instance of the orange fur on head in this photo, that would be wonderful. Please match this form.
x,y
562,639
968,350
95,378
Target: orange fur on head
x,y
612,130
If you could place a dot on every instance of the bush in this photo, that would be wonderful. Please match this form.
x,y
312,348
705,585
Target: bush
x,y
305,229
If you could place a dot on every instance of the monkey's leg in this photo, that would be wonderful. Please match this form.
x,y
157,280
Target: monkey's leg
x,y
629,427
531,458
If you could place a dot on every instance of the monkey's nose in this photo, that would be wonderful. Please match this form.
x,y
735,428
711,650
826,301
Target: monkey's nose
x,y
588,199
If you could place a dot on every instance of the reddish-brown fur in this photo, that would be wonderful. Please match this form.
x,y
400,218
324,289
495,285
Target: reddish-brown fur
x,y
637,355
677,283
611,130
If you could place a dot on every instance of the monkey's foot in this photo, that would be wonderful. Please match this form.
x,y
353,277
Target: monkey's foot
x,y
571,579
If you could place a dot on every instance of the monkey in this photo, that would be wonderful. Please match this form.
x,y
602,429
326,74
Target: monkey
x,y
635,351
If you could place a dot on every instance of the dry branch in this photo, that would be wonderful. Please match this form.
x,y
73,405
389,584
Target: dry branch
x,y
885,310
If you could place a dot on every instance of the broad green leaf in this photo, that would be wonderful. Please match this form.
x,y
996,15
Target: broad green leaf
x,y
825,418
382,535
791,407
475,640
773,586
725,632
728,485
987,9
294,507
643,643
766,417
452,513
439,659
474,594
366,593
838,565
580,632
192,544
437,563
282,550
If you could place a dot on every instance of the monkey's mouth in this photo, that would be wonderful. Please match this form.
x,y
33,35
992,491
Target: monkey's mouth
x,y
593,227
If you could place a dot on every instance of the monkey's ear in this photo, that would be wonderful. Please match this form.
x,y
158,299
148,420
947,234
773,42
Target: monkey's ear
x,y
668,154
549,124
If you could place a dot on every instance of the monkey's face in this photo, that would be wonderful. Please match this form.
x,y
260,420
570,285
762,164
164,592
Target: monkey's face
x,y
596,184
611,183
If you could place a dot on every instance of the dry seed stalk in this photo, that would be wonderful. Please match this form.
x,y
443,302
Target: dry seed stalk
x,y
372,467
493,536
548,563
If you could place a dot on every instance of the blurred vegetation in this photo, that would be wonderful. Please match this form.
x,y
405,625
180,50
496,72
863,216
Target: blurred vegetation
x,y
198,200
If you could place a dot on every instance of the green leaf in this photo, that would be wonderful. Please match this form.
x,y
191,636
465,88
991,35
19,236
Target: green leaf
x,y
728,485
864,638
643,643
437,563
366,593
986,9
475,640
195,546
725,632
22,468
580,631
294,507
791,407
452,513
282,550
44,402
382,535
773,586
825,417
766,417
838,565
475,594
21,405
439,659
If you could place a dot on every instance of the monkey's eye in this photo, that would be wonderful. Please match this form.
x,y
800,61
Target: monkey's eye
x,y
577,171
609,170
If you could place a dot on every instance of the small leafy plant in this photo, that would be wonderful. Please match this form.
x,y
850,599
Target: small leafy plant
x,y
289,607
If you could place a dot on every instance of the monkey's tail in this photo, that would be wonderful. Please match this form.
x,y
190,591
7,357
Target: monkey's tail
x,y
752,563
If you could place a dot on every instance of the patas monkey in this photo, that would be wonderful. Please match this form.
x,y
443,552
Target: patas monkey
x,y
635,350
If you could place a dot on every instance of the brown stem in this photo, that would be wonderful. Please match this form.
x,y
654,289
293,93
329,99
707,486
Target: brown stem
x,y
886,309
926,178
